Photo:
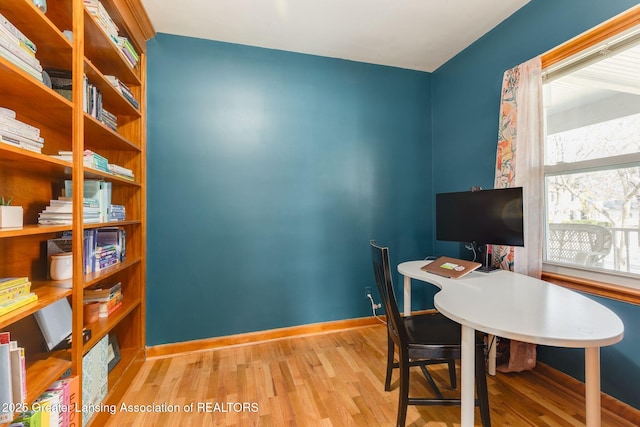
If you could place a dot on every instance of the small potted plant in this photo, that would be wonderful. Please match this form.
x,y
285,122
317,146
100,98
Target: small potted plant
x,y
10,216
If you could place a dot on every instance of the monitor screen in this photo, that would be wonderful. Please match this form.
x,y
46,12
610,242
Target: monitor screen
x,y
484,217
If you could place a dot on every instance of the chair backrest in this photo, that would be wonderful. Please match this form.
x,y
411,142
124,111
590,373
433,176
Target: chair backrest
x,y
382,272
585,244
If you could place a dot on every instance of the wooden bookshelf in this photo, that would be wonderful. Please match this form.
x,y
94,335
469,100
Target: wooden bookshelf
x,y
33,179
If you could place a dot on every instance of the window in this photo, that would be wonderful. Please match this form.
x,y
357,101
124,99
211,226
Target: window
x,y
592,158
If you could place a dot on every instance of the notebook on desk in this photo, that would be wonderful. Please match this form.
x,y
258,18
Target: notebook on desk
x,y
451,267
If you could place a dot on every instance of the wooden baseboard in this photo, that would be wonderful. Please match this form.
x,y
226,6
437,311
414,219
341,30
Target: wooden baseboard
x,y
626,412
165,350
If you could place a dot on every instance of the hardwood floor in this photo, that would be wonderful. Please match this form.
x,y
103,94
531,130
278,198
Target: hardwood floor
x,y
332,379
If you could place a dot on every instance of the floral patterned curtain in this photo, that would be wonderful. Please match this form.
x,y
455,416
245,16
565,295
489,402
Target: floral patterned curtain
x,y
519,163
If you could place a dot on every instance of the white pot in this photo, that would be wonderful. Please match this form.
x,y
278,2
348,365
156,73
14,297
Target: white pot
x,y
61,266
10,216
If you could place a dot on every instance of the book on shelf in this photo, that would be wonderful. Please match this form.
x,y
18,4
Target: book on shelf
x,y
121,171
18,302
12,29
14,291
117,213
109,307
95,8
123,89
13,387
23,128
55,322
17,49
20,134
102,293
98,192
30,418
6,392
7,112
95,378
110,298
71,388
6,282
18,373
61,212
49,404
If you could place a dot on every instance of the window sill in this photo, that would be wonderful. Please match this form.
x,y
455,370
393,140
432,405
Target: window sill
x,y
594,287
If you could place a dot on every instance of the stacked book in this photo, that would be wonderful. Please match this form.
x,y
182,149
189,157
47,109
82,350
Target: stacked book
x,y
16,48
20,134
95,161
15,292
123,89
128,50
95,8
55,407
91,159
105,256
109,297
117,213
109,120
121,171
96,190
60,212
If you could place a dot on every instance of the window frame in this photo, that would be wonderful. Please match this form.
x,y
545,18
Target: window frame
x,y
575,278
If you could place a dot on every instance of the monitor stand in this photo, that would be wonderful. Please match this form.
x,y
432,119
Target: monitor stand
x,y
486,265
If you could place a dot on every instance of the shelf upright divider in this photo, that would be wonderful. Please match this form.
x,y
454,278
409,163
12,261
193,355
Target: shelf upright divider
x,y
78,188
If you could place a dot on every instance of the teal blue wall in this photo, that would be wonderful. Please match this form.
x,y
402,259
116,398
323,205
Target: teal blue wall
x,y
269,172
465,103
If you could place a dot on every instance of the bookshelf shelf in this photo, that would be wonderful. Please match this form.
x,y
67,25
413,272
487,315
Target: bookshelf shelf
x,y
30,230
16,83
42,372
105,325
101,51
97,277
119,104
54,49
33,179
46,295
96,174
100,137
33,163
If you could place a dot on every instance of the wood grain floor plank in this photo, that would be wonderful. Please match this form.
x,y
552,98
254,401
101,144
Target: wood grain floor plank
x,y
333,379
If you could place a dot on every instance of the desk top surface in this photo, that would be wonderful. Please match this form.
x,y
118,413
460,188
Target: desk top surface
x,y
523,308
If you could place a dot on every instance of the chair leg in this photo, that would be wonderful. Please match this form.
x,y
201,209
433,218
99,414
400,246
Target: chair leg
x,y
403,400
452,374
390,353
481,387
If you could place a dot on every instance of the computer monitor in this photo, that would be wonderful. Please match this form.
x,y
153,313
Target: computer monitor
x,y
483,217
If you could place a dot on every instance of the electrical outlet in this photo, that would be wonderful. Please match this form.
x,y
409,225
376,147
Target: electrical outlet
x,y
367,292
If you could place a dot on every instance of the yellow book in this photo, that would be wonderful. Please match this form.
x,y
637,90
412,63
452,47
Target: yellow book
x,y
6,282
19,302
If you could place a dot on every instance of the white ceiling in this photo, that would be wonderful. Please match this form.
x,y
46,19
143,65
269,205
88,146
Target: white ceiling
x,y
413,34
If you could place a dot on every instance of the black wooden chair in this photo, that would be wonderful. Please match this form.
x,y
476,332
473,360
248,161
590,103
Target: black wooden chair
x,y
422,340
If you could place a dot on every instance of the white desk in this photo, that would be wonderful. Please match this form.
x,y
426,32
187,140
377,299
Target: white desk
x,y
522,308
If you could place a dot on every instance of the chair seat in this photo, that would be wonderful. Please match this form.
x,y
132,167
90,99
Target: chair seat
x,y
434,336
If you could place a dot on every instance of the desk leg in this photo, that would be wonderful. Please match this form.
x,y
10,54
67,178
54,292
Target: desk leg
x,y
492,340
407,296
592,386
467,380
